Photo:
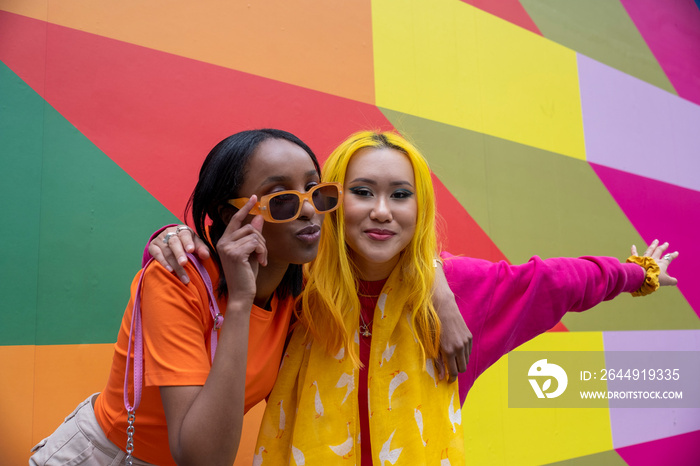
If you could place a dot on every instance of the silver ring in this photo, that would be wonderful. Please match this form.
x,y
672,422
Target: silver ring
x,y
182,228
168,236
667,257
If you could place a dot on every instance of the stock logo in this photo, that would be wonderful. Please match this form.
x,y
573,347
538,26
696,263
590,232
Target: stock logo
x,y
542,369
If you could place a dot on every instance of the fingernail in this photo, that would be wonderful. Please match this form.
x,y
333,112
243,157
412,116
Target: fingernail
x,y
168,268
190,248
182,260
185,279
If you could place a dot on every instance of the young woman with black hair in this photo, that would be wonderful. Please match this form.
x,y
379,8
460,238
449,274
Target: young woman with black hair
x,y
193,401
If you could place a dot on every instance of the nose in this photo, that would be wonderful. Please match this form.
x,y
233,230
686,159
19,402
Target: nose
x,y
381,211
307,210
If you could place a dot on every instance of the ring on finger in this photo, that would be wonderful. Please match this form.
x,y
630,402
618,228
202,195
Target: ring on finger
x,y
668,257
182,228
168,236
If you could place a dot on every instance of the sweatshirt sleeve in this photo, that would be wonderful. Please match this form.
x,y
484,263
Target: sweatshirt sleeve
x,y
506,305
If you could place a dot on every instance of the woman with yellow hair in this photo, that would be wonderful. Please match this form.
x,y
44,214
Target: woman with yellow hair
x,y
357,380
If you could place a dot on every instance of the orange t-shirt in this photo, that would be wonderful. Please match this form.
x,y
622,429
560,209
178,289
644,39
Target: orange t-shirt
x,y
177,329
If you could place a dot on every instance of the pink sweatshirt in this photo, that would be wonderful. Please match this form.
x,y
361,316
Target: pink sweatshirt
x,y
506,305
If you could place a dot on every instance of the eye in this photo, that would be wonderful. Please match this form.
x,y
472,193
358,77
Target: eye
x,y
310,185
361,191
402,194
284,198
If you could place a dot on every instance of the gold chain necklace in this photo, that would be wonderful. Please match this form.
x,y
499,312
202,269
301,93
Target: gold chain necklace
x,y
364,327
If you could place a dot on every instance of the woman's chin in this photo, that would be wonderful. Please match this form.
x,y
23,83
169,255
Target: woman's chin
x,y
307,256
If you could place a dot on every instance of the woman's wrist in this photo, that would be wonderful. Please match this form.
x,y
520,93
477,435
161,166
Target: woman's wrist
x,y
651,274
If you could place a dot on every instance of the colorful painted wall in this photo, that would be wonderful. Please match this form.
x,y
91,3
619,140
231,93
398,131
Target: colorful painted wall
x,y
553,127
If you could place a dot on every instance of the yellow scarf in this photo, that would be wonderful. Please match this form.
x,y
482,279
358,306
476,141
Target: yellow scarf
x,y
312,413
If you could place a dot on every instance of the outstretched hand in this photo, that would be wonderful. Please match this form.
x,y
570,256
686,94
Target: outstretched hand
x,y
656,251
171,246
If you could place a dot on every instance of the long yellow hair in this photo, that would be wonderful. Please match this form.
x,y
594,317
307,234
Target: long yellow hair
x,y
329,304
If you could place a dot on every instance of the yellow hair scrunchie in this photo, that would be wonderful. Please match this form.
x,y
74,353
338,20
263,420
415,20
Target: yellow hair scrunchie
x,y
651,282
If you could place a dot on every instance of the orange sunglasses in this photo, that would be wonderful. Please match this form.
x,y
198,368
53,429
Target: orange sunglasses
x,y
285,206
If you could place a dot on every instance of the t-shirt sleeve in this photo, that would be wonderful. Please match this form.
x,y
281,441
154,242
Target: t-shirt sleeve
x,y
176,328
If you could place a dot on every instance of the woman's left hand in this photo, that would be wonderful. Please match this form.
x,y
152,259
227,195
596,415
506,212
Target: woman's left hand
x,y
455,337
656,251
173,254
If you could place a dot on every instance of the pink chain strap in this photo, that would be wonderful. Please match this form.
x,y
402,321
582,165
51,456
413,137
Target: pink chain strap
x,y
136,333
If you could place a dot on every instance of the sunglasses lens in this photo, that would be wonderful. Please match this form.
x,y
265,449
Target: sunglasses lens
x,y
284,206
325,198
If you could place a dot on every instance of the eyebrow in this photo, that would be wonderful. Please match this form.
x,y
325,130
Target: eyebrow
x,y
373,182
282,178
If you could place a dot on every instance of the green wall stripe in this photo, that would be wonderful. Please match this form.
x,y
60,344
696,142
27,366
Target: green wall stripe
x,y
21,127
602,30
608,458
92,223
